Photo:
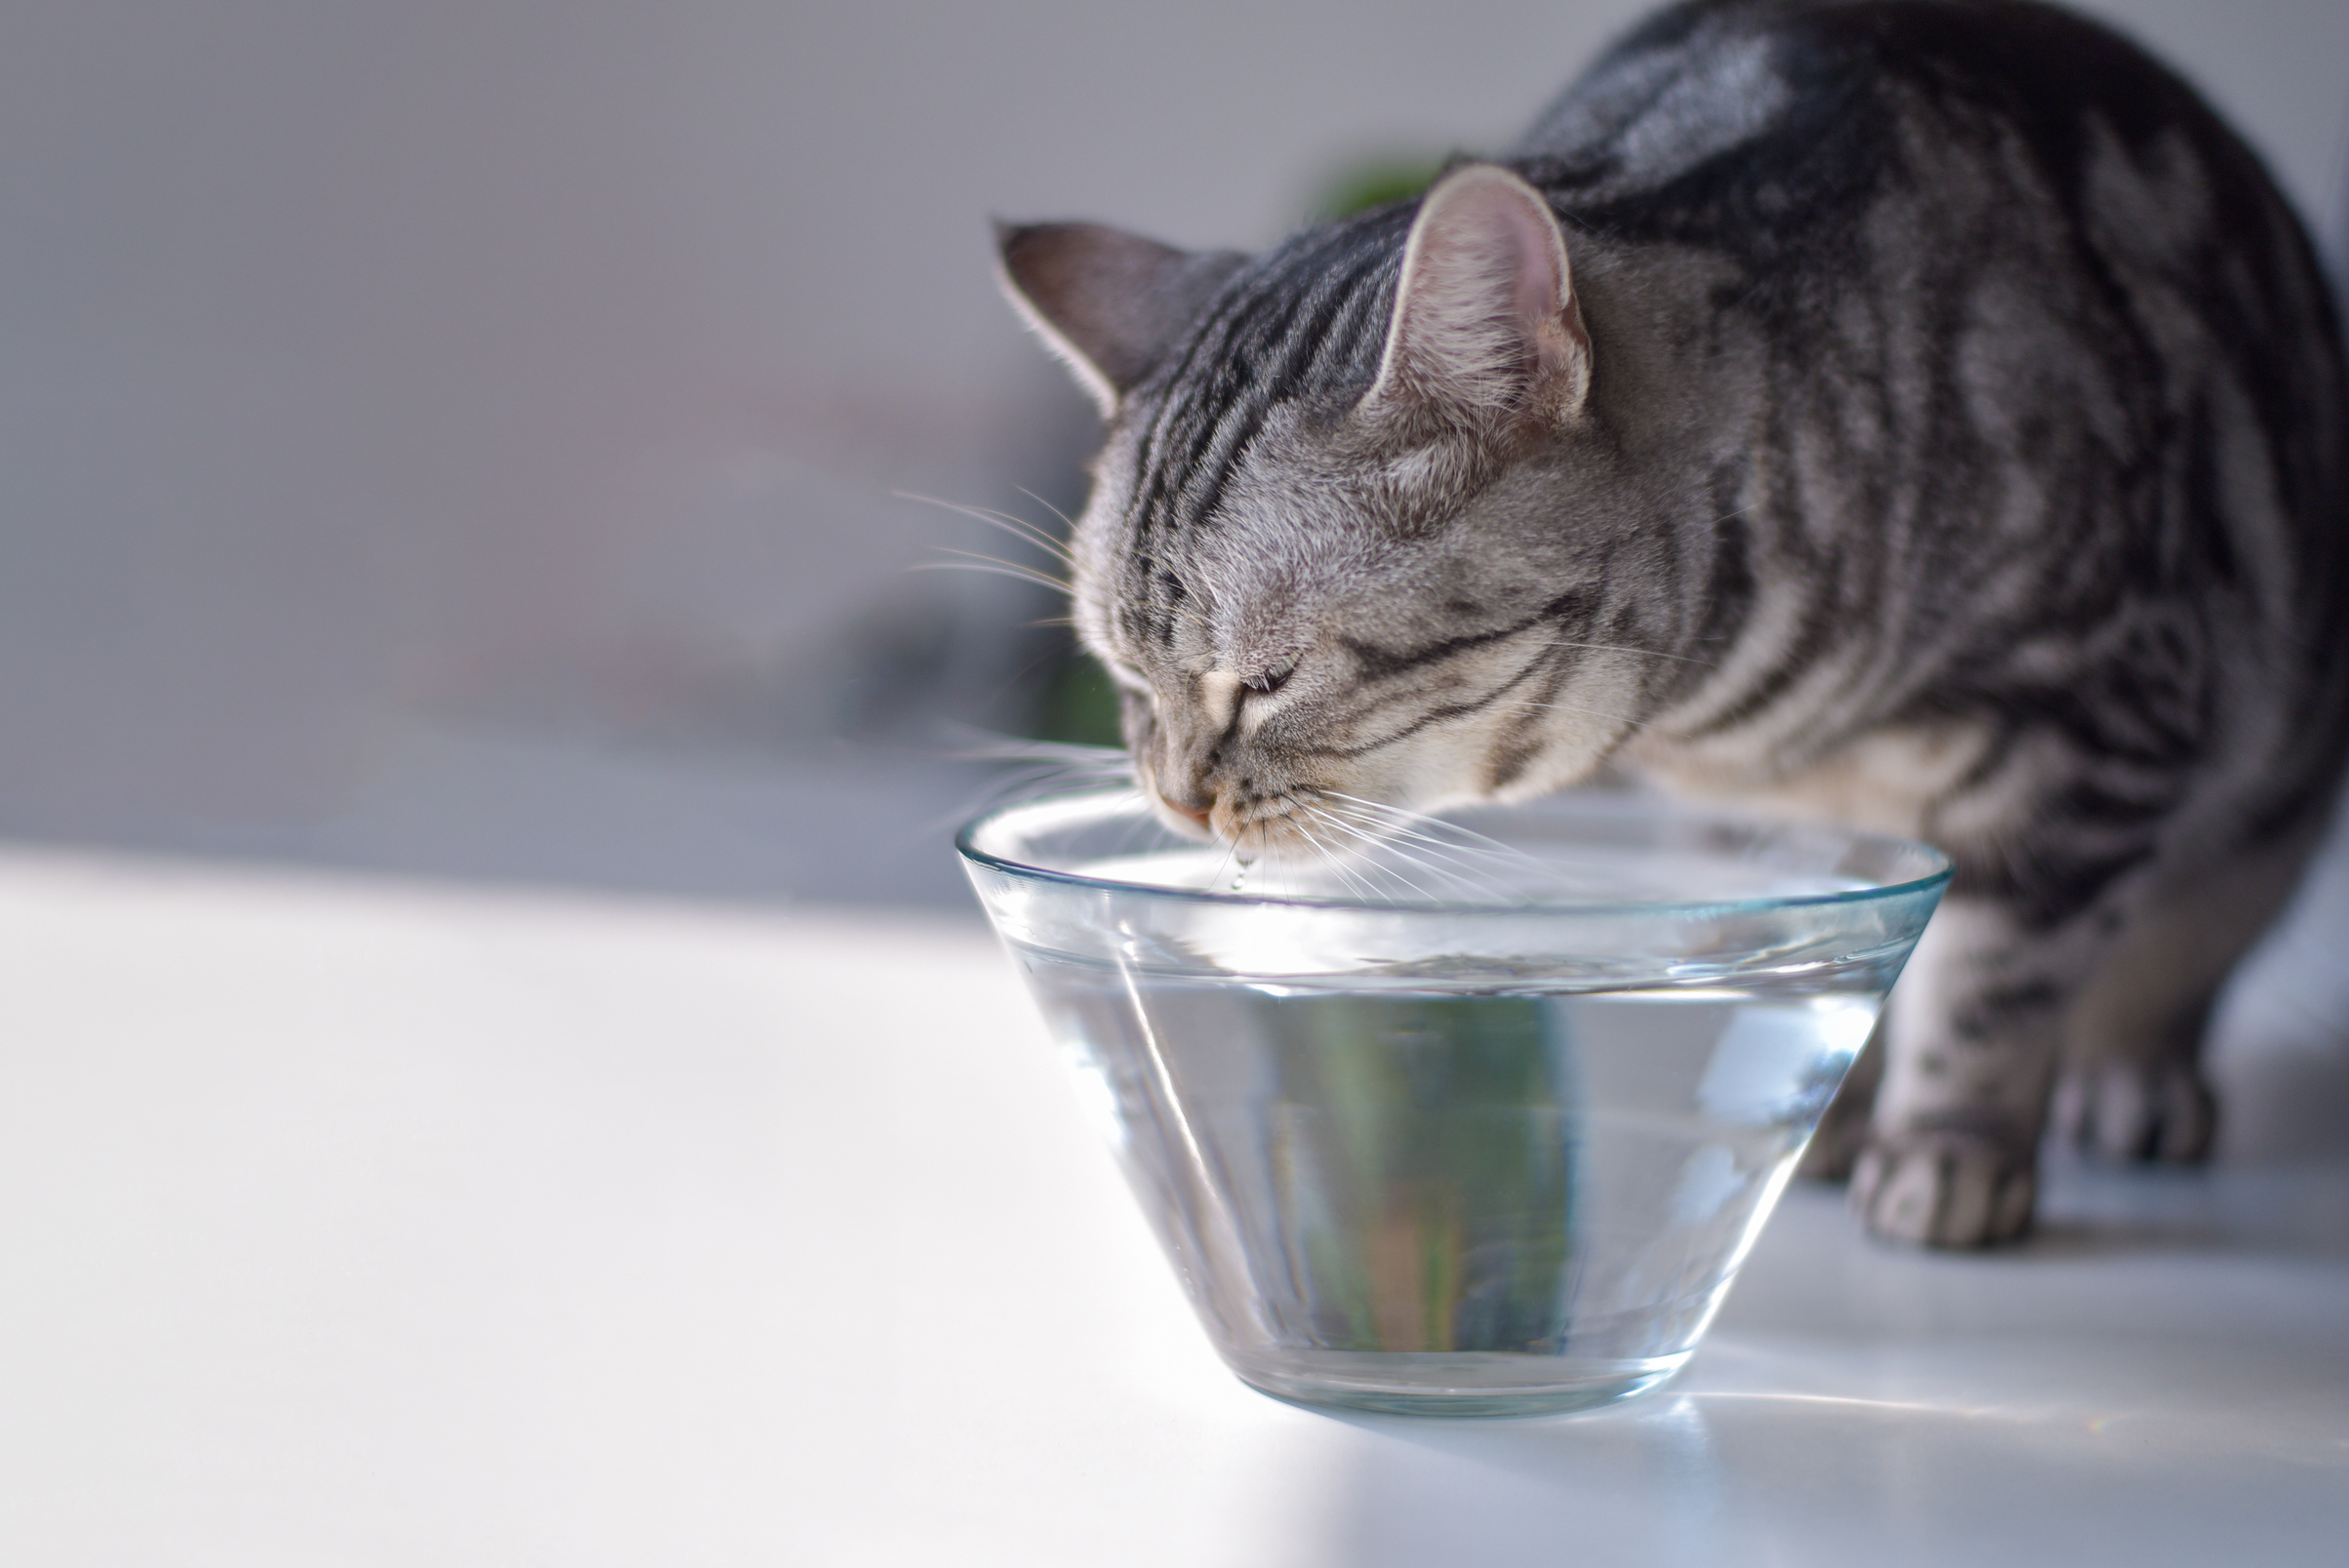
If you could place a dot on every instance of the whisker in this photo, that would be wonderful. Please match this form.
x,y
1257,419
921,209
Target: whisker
x,y
1353,884
1434,859
1447,863
1394,829
1445,868
977,743
1295,822
1070,523
1380,808
1369,866
1022,785
996,560
1437,861
1215,881
987,564
1068,767
1461,879
1017,527
1375,843
1141,824
1626,648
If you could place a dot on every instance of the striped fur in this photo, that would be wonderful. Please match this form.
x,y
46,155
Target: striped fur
x,y
1956,446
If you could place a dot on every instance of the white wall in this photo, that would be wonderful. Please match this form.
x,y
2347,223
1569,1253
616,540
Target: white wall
x,y
553,361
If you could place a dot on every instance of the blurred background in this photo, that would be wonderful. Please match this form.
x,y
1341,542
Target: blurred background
x,y
479,438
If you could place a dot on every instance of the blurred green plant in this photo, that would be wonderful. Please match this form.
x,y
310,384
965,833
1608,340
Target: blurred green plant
x,y
1079,703
1427,1148
1374,182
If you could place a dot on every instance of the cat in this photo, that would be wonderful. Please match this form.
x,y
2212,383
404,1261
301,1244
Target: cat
x,y
1923,413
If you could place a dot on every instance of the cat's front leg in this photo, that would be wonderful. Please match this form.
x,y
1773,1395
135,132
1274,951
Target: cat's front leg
x,y
2131,1087
1974,1040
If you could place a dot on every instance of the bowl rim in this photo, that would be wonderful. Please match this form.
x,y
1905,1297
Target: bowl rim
x,y
1935,882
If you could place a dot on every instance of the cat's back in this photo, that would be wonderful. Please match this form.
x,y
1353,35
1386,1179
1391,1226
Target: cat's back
x,y
2020,172
2036,337
1820,96
1775,130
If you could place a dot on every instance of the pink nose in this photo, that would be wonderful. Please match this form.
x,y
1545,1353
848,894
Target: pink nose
x,y
1198,814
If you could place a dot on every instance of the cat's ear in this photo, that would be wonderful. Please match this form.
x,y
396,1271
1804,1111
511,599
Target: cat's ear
x,y
1487,329
1108,303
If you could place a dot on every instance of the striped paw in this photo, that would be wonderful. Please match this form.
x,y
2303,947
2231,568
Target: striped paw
x,y
2130,1110
1943,1189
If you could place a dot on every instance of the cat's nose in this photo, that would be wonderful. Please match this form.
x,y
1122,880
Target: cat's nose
x,y
1193,802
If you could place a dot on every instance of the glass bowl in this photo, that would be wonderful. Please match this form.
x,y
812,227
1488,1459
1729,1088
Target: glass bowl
x,y
1481,1117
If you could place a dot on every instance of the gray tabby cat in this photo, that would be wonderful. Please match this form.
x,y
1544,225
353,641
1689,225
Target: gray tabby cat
x,y
1923,412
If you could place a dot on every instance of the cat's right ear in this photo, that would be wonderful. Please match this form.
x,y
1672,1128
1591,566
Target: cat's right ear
x,y
1486,328
1108,303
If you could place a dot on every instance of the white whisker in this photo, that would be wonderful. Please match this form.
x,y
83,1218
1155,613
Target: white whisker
x,y
1454,870
1373,842
1337,868
1066,521
1366,865
1017,527
1380,809
982,563
1626,648
996,560
1383,837
1389,829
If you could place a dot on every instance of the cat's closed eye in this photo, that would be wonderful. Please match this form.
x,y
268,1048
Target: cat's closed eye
x,y
1268,679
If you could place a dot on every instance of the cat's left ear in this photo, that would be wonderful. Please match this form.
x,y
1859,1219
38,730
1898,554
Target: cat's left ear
x,y
1111,304
1487,329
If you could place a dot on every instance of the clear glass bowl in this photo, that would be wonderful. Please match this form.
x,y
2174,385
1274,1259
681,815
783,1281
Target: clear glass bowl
x,y
1473,1123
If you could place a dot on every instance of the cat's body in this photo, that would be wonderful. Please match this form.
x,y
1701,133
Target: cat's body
x,y
1915,412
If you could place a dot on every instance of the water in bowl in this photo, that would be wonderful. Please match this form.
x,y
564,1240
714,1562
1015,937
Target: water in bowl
x,y
1423,1195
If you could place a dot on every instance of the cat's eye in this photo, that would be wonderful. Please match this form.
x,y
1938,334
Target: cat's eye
x,y
1268,679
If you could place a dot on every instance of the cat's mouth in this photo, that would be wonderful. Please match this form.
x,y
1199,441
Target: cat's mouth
x,y
1178,817
1267,827
1300,823
1295,829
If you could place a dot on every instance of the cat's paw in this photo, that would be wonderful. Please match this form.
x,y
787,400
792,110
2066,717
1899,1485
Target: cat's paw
x,y
2130,1110
1943,1189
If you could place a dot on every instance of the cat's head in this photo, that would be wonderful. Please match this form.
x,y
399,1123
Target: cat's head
x,y
1358,531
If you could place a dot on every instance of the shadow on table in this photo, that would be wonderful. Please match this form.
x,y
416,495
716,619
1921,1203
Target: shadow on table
x,y
1745,1476
2160,1374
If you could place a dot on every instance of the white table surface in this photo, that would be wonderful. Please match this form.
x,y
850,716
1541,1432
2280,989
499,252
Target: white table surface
x,y
346,1221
